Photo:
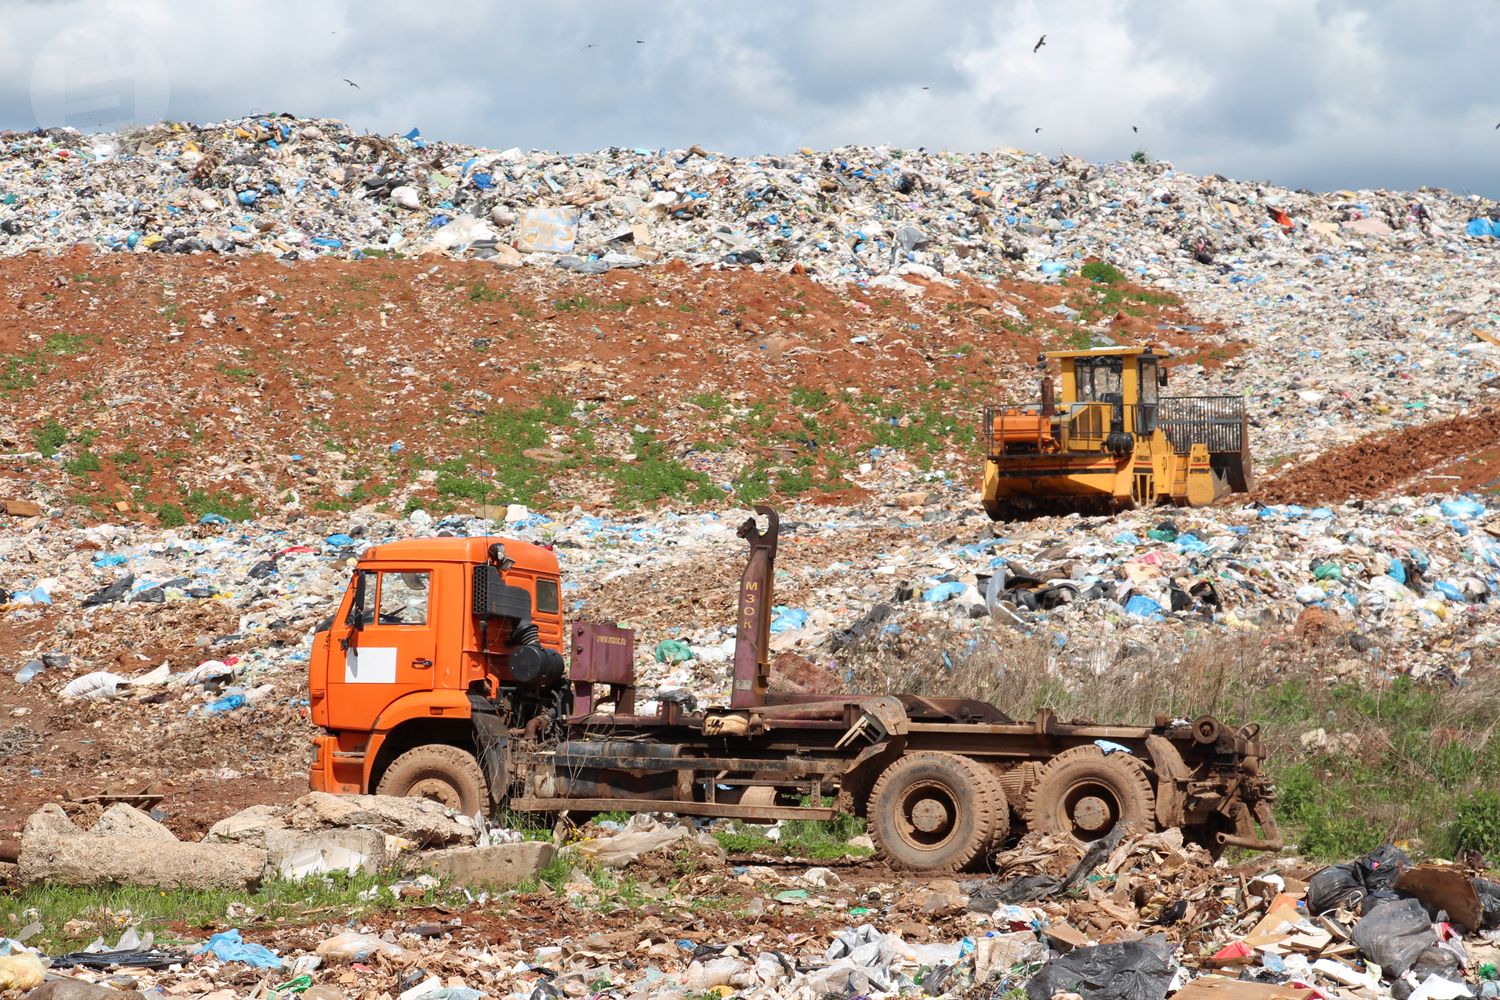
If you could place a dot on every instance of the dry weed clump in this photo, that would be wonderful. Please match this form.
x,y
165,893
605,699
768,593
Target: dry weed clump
x,y
1104,680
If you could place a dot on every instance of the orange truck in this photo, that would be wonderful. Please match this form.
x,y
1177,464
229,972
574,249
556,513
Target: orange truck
x,y
443,674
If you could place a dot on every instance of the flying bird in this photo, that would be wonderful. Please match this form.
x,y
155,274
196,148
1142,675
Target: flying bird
x,y
588,46
1134,129
929,88
351,83
1039,43
1036,130
640,41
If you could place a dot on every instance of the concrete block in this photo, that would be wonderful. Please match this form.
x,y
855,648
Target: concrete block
x,y
499,864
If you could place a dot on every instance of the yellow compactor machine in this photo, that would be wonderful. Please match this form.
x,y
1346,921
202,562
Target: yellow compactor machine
x,y
1110,441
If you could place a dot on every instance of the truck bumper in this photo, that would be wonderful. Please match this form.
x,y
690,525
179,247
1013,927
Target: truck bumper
x,y
335,770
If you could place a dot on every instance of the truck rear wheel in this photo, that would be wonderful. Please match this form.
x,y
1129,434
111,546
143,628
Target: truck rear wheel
x,y
1082,793
936,811
445,774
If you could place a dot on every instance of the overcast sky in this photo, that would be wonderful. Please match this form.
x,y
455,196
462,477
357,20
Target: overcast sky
x,y
1382,93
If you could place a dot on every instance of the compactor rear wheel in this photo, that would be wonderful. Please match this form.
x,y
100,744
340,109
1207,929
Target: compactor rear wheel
x,y
935,811
1082,793
445,774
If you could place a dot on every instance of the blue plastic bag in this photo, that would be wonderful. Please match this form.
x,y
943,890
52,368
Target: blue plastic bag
x,y
1462,508
787,619
228,703
942,592
228,946
1142,606
1483,227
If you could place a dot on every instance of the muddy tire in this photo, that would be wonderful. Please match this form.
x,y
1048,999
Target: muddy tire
x,y
936,812
446,775
1082,793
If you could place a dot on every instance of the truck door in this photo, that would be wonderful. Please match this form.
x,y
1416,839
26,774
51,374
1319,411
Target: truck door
x,y
392,654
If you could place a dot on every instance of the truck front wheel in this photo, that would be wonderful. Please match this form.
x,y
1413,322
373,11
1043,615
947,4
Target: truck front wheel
x,y
445,774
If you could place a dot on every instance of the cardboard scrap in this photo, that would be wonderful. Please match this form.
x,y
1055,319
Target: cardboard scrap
x,y
1222,988
1446,888
1065,937
1279,923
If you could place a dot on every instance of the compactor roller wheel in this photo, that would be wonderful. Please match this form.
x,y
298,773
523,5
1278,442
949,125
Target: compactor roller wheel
x,y
1082,794
446,775
935,811
999,510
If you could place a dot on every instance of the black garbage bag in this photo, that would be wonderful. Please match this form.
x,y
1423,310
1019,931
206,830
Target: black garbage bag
x,y
1358,885
1383,866
1489,901
111,593
1335,887
1437,961
1128,971
1394,936
1026,889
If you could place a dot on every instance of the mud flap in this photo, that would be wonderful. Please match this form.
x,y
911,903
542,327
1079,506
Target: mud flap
x,y
1171,781
493,742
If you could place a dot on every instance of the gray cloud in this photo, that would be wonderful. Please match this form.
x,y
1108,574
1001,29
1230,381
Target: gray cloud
x,y
1325,94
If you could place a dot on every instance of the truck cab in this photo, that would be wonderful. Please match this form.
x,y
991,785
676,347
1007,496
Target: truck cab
x,y
436,643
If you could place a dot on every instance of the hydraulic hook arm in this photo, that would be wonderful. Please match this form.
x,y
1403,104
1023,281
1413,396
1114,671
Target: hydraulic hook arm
x,y
752,638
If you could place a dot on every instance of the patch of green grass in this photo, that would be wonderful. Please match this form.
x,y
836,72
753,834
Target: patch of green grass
x,y
816,840
655,476
170,515
1424,764
68,344
157,910
1476,824
82,465
200,502
1101,273
49,437
713,402
810,399
480,291
753,485
1080,340
920,432
471,488
237,372
16,374
1140,156
795,482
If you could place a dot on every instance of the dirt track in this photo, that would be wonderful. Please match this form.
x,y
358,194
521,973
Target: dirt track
x,y
1460,453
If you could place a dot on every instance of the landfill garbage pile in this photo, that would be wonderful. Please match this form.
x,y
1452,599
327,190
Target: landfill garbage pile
x,y
192,644
1141,918
1366,309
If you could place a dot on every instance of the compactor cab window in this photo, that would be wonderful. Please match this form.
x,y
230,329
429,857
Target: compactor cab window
x,y
403,598
1099,380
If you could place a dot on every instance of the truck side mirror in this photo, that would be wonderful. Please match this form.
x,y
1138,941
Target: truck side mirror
x,y
356,619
